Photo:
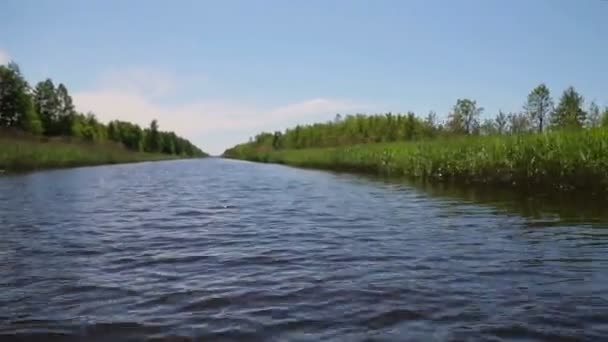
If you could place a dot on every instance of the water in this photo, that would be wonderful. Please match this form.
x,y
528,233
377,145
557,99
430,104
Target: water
x,y
226,250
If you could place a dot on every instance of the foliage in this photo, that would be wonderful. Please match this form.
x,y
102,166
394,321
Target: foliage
x,y
16,109
569,113
464,118
49,110
501,122
594,118
488,127
153,139
518,123
352,129
509,149
46,103
21,151
539,106
558,160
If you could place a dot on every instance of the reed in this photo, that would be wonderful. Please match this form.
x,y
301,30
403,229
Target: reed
x,y
21,152
561,160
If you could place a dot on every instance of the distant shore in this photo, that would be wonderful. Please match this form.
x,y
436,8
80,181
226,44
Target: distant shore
x,y
27,153
40,128
576,160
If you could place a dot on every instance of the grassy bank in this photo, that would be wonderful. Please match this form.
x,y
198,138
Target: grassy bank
x,y
557,160
24,153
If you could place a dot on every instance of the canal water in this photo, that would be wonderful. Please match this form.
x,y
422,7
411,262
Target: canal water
x,y
220,250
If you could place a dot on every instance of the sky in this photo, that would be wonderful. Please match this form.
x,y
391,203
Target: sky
x,y
219,72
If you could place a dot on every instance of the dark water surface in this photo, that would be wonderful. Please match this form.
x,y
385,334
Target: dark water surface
x,y
226,250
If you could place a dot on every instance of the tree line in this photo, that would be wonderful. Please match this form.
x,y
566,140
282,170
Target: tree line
x,y
48,110
539,114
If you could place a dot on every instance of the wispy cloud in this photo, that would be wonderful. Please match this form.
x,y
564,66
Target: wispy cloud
x,y
149,81
4,57
133,95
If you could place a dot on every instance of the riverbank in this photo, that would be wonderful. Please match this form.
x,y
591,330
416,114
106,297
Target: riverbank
x,y
27,153
575,160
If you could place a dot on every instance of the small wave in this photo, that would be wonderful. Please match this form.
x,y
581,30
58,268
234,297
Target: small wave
x,y
210,303
392,317
220,257
127,263
203,212
18,336
172,298
221,207
260,260
519,331
98,289
54,331
191,213
298,325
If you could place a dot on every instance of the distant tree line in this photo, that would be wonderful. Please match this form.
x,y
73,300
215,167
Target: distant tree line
x,y
539,114
48,110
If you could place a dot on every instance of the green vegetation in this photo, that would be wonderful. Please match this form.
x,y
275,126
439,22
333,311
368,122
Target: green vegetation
x,y
40,128
511,149
24,152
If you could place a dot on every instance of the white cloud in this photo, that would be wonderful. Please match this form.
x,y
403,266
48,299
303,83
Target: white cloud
x,y
148,81
4,57
132,95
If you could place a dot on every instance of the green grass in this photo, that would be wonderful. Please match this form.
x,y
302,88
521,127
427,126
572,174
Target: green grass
x,y
19,152
558,160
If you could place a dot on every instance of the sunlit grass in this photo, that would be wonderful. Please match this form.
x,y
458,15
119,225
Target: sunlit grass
x,y
22,153
562,160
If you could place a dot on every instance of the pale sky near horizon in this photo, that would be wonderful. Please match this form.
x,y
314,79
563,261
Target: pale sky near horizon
x,y
218,72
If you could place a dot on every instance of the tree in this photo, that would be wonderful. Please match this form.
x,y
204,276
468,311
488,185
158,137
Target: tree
x,y
29,121
430,124
594,118
464,118
276,140
569,113
78,128
153,143
91,128
11,90
113,131
488,127
65,111
605,118
539,106
15,101
50,110
411,127
46,104
518,123
501,122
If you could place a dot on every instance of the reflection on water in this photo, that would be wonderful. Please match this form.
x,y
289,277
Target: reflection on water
x,y
560,207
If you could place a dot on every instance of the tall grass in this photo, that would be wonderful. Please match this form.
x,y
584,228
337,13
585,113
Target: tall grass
x,y
21,152
558,160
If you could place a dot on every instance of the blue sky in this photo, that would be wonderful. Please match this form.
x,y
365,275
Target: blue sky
x,y
218,72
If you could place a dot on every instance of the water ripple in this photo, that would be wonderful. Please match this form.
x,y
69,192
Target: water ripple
x,y
233,251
